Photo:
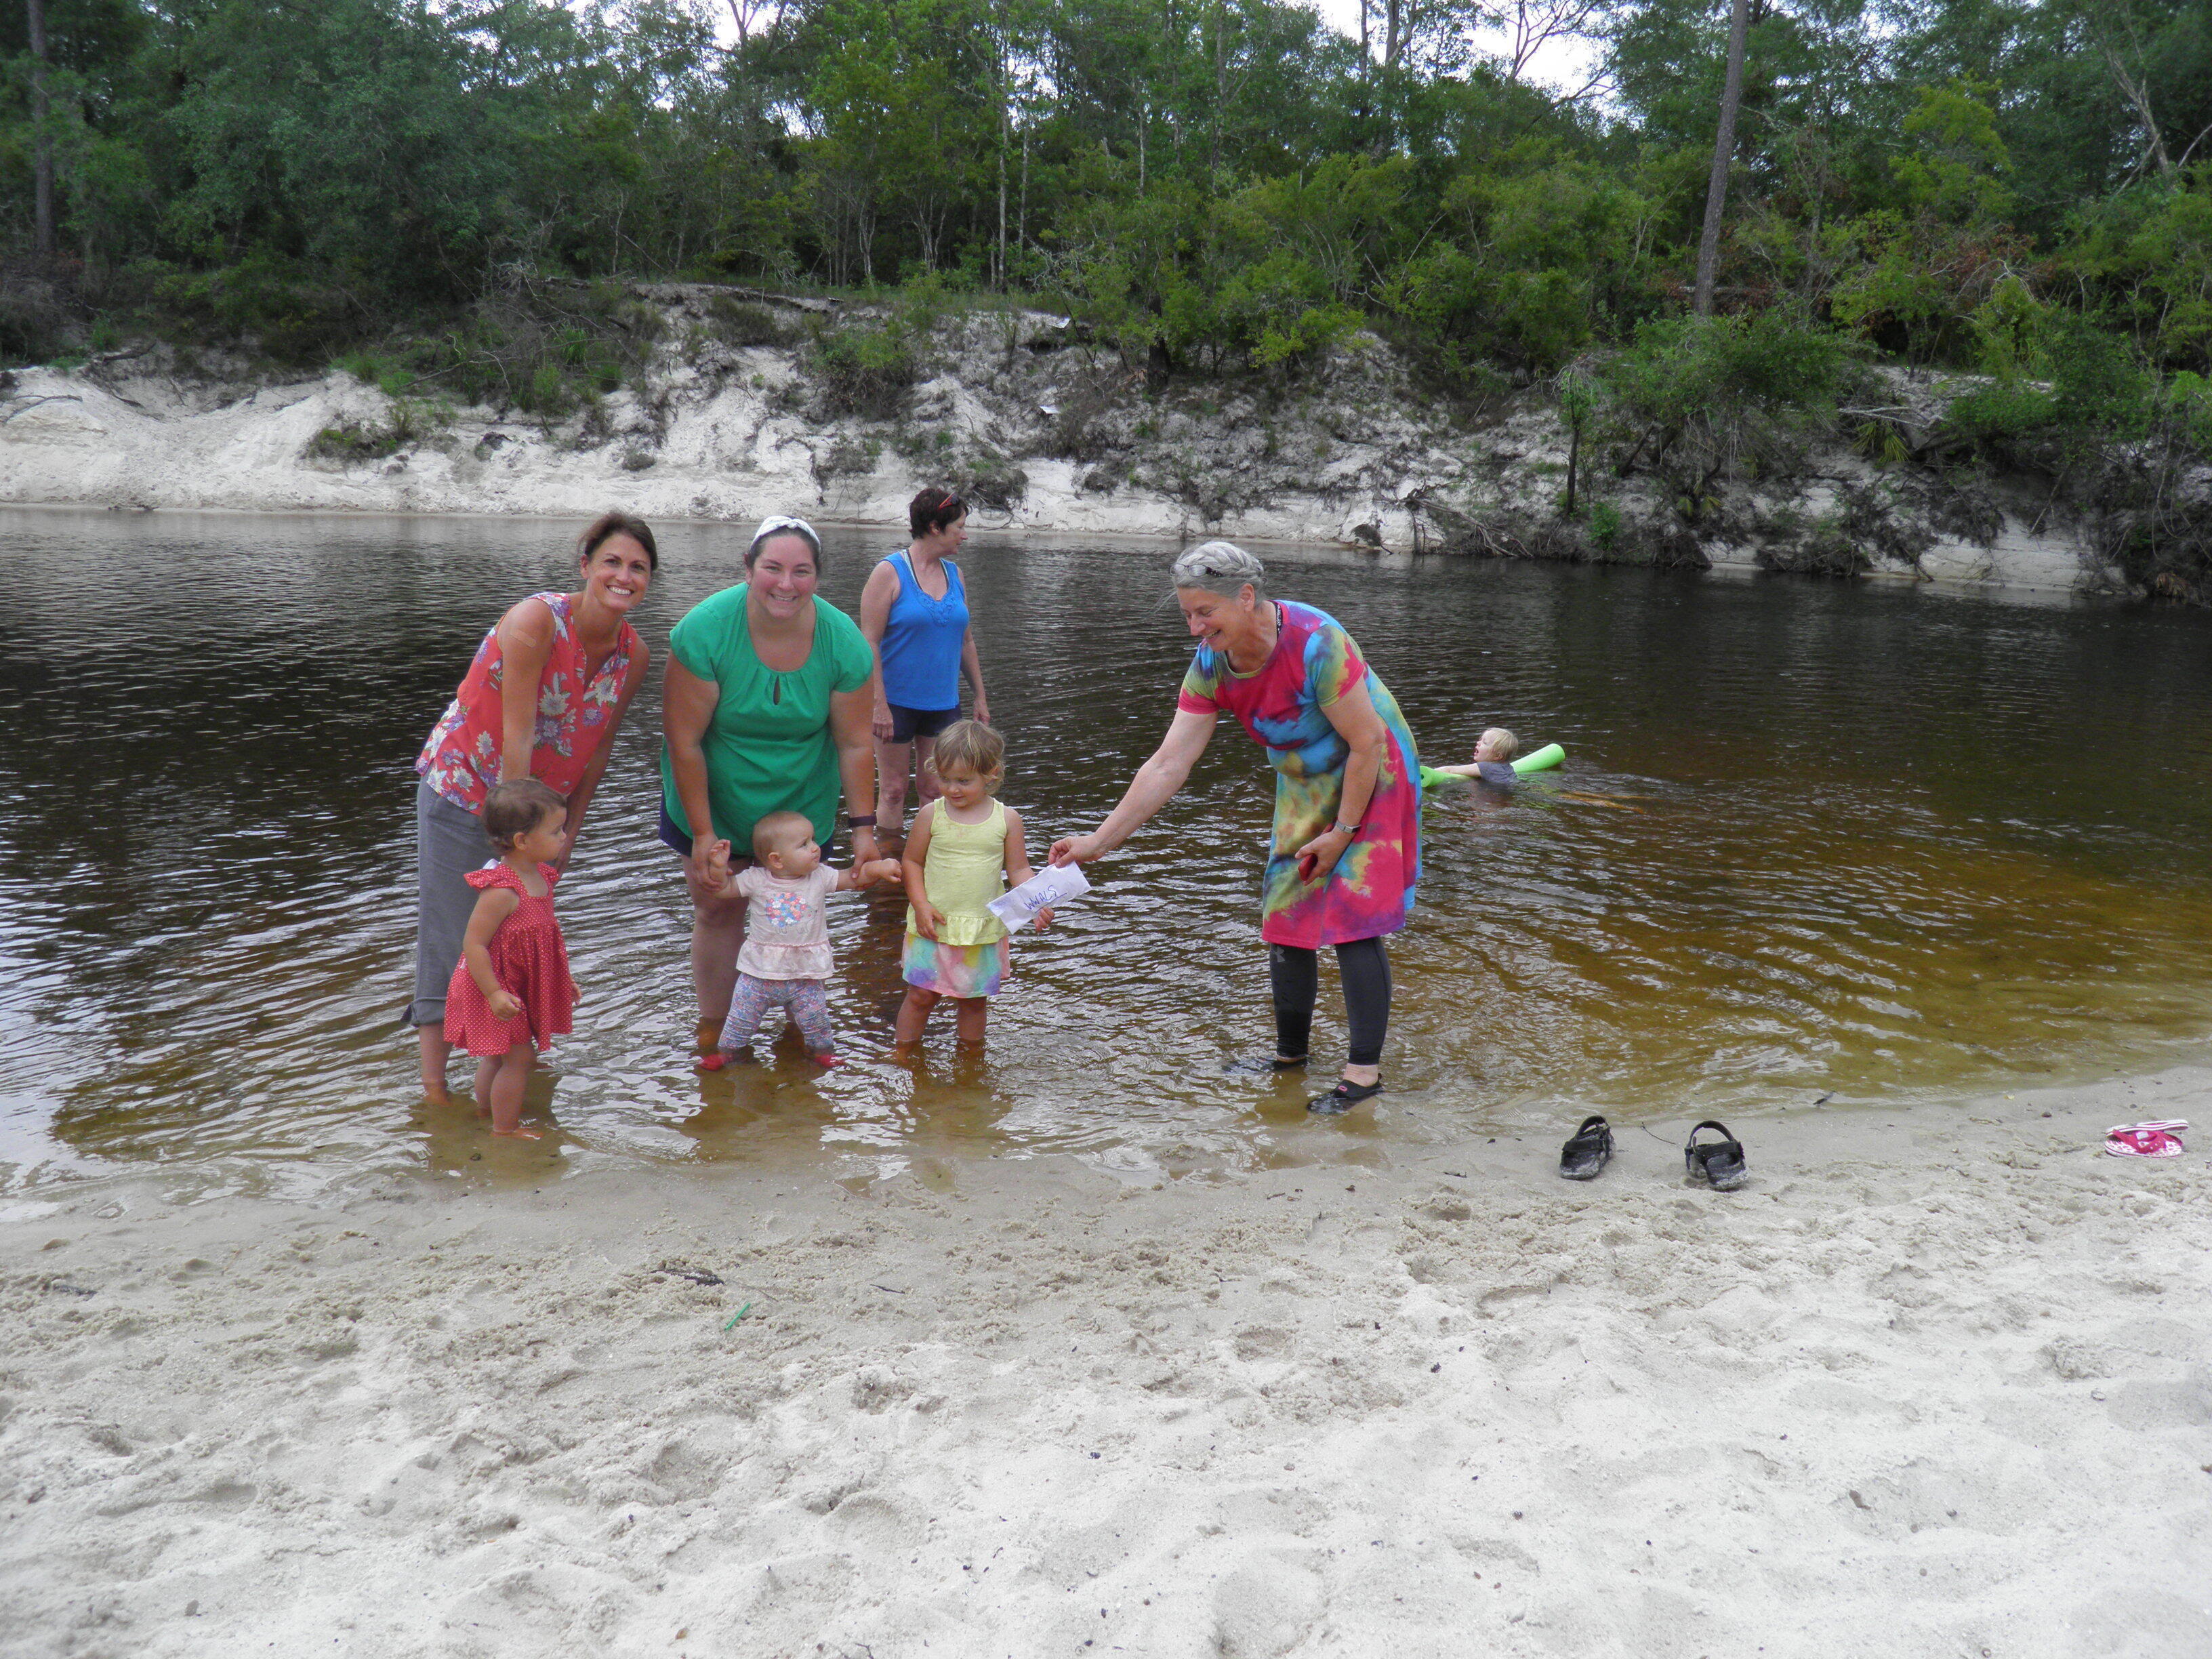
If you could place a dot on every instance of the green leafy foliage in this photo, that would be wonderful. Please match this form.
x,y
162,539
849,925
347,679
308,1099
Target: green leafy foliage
x,y
409,422
1696,399
1538,264
2146,255
865,368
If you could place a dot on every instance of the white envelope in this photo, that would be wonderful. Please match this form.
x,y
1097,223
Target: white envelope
x,y
1017,907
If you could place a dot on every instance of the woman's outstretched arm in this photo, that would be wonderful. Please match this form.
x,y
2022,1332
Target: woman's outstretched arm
x,y
1153,787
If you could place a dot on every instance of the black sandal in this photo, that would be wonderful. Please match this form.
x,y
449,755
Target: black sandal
x,y
1343,1098
1719,1162
1587,1150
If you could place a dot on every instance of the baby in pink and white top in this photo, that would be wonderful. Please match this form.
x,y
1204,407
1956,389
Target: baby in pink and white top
x,y
785,956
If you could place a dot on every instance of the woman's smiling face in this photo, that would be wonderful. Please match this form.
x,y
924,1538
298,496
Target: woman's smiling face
x,y
1218,621
618,572
783,574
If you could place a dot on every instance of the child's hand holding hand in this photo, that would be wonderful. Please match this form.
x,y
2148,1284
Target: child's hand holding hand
x,y
1044,919
502,1005
882,870
718,863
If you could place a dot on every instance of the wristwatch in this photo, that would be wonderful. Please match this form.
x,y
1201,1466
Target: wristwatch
x,y
1347,830
859,820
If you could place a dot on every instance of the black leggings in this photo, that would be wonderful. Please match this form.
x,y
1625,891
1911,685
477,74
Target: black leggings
x,y
1295,976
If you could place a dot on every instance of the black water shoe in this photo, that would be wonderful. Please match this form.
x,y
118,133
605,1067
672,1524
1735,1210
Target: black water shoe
x,y
1343,1098
1588,1150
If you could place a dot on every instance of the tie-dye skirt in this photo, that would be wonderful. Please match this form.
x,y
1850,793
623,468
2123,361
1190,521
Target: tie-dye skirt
x,y
956,970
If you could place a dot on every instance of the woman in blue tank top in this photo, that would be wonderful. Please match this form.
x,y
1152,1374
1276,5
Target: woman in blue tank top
x,y
914,612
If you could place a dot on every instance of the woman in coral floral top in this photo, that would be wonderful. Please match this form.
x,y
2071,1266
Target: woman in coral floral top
x,y
543,698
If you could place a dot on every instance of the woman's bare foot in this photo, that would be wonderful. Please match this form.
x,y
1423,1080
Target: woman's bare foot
x,y
436,1095
518,1134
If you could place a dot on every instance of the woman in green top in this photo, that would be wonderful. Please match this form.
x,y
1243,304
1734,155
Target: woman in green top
x,y
766,709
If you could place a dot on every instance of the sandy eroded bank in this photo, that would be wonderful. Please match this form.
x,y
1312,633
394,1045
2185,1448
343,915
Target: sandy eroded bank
x,y
1044,437
1935,1383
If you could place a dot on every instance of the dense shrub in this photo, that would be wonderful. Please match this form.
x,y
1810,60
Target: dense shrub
x,y
865,368
740,323
1697,399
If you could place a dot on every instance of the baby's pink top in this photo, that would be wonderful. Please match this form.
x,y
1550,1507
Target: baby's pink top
x,y
787,925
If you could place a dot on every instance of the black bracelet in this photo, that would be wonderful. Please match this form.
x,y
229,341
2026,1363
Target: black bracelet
x,y
859,820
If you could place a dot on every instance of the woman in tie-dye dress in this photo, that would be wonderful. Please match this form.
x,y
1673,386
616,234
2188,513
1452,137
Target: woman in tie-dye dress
x,y
1346,851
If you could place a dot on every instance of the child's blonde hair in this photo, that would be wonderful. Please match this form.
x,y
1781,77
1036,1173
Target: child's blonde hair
x,y
512,810
779,832
970,746
1503,741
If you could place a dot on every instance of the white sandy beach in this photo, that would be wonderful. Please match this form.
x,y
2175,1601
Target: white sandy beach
x,y
1939,1382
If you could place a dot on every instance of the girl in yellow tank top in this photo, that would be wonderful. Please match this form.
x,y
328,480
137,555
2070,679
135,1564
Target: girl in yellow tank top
x,y
966,846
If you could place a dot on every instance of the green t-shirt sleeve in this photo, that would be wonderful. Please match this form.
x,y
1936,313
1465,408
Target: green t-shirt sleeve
x,y
699,640
853,658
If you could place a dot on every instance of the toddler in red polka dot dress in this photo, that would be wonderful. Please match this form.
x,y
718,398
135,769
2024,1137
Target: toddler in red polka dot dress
x,y
511,994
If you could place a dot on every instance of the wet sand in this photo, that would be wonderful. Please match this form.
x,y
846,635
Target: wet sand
x,y
1936,1383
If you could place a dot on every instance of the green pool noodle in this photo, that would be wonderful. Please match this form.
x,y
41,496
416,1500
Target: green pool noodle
x,y
1541,760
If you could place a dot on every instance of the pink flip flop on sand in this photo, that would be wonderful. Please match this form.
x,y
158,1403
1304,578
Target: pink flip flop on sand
x,y
2154,1140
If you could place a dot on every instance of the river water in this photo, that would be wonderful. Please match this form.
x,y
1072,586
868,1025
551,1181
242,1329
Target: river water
x,y
1865,841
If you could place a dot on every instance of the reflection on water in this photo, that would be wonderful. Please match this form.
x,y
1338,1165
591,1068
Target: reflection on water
x,y
1809,838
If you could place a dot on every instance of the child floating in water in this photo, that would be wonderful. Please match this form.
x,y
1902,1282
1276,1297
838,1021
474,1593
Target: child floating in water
x,y
965,844
1493,759
785,956
511,994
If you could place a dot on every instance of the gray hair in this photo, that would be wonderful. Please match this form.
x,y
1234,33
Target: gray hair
x,y
1220,568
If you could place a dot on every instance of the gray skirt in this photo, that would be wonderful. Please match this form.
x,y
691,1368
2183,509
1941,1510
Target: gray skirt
x,y
449,842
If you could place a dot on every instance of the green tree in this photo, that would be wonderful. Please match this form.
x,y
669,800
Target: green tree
x,y
1921,271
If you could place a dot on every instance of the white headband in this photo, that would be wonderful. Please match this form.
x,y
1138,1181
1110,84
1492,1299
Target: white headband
x,y
776,523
